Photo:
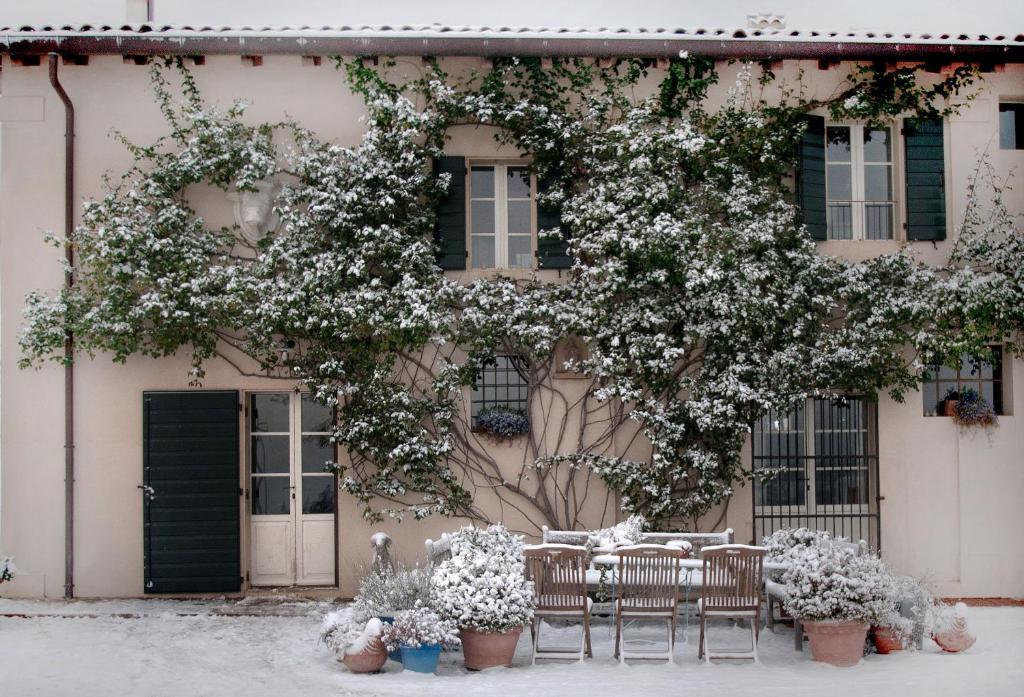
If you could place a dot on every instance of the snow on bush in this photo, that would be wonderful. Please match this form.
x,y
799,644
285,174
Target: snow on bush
x,y
345,633
483,586
829,582
628,532
781,542
418,627
384,592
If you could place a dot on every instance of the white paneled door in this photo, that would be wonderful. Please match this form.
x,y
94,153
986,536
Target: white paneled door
x,y
292,497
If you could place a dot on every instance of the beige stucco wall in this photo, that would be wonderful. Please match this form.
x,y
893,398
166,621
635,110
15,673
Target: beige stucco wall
x,y
952,502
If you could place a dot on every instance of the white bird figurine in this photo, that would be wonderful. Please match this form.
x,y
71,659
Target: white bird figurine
x,y
956,637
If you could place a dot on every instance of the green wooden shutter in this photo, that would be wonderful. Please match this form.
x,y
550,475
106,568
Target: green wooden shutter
x,y
190,461
450,229
552,252
924,149
810,177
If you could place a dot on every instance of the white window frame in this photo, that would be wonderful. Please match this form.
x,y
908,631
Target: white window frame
x,y
501,200
857,181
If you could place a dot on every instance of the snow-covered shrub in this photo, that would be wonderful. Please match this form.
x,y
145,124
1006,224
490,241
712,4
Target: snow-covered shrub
x,y
829,582
345,633
483,586
7,569
628,532
384,592
780,543
420,626
501,422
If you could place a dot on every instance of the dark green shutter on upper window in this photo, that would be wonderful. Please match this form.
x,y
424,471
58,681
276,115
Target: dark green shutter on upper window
x,y
450,229
924,151
190,466
810,177
552,252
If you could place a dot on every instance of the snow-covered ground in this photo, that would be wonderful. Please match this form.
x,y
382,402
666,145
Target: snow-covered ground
x,y
151,648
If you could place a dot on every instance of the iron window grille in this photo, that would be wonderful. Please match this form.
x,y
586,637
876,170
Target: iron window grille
x,y
502,382
985,377
819,469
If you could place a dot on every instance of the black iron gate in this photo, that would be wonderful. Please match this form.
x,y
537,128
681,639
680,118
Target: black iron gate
x,y
819,467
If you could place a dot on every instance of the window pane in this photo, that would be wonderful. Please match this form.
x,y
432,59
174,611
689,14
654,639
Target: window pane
x,y
317,451
839,183
483,217
840,221
878,221
837,144
519,253
930,395
518,179
315,416
317,494
785,489
271,496
877,183
1011,126
876,145
519,214
483,251
481,182
269,412
269,454
838,487
501,383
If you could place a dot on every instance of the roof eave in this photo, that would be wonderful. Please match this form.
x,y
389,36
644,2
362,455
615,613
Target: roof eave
x,y
492,46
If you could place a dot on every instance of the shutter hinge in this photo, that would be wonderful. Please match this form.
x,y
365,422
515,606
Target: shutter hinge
x,y
466,253
904,226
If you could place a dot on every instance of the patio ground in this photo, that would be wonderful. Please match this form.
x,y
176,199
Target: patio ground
x,y
151,648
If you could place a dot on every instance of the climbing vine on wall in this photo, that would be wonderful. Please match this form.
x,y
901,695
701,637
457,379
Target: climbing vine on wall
x,y
698,294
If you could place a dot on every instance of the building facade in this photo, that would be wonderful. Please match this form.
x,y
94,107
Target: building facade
x,y
940,502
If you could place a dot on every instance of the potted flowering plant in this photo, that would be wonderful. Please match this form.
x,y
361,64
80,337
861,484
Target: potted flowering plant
x,y
383,593
836,594
484,591
419,634
971,409
502,422
356,641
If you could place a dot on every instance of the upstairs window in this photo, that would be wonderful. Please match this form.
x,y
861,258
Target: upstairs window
x,y
859,183
501,216
984,377
1011,126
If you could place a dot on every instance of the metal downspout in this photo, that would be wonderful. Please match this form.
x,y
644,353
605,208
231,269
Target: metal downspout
x,y
69,339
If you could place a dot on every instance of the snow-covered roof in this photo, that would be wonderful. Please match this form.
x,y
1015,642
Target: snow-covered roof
x,y
437,39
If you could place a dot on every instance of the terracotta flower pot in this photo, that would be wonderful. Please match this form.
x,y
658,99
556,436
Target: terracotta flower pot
x,y
369,660
837,642
886,640
488,649
949,407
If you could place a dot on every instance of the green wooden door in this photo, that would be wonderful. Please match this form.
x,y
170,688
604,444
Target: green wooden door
x,y
191,492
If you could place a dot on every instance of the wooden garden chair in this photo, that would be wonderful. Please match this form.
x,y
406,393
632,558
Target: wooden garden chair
x,y
559,575
647,590
732,580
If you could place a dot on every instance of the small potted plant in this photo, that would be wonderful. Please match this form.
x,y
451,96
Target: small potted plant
x,y
484,591
419,634
7,569
947,407
971,410
357,642
385,592
836,594
502,422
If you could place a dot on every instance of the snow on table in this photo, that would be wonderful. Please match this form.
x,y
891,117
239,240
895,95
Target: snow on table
x,y
155,650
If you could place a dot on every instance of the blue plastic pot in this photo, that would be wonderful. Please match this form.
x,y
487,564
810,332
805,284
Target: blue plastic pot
x,y
395,655
423,659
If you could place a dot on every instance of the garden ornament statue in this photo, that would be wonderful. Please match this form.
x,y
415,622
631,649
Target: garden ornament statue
x,y
254,211
381,542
